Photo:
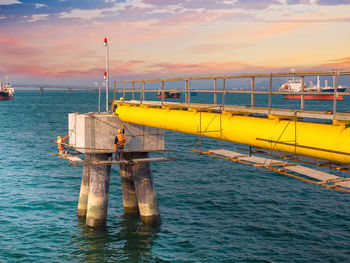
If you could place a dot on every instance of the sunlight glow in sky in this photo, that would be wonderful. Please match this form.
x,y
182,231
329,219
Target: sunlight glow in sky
x,y
62,41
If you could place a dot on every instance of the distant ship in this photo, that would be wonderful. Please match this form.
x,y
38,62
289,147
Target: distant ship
x,y
293,85
326,88
167,95
6,92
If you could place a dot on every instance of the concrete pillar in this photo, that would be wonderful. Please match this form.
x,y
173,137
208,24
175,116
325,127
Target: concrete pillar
x,y
84,189
128,187
98,192
145,191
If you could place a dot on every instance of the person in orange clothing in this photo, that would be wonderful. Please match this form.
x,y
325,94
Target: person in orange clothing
x,y
119,143
60,145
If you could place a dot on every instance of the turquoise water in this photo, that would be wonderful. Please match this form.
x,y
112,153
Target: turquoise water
x,y
212,210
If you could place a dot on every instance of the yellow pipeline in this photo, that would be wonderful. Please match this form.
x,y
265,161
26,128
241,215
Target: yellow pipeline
x,y
328,141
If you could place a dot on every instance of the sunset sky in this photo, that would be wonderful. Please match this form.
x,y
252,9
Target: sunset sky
x,y
61,41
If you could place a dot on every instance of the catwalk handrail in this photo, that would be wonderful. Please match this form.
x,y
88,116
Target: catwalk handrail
x,y
223,89
259,75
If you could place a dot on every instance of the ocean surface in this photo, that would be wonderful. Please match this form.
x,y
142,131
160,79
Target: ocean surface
x,y
212,210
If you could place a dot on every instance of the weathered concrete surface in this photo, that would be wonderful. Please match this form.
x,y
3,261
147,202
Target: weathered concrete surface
x,y
93,132
84,189
128,187
145,190
97,207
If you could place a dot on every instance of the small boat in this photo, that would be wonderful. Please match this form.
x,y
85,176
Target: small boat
x,y
168,95
6,91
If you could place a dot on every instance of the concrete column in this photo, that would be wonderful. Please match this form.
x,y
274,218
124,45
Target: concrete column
x,y
98,192
84,188
128,187
145,191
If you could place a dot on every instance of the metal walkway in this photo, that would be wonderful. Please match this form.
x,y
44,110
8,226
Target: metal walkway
x,y
76,161
323,178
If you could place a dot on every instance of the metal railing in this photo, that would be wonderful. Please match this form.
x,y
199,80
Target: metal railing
x,y
129,86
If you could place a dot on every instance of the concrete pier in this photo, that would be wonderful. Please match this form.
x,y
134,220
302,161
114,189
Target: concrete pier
x,y
100,177
145,191
93,134
84,189
128,187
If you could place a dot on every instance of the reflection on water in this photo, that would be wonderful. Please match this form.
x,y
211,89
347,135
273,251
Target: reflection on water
x,y
128,240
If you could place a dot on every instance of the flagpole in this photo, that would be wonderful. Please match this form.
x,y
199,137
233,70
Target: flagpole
x,y
106,76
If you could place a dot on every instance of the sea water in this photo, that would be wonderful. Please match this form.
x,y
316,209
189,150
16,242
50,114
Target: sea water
x,y
212,210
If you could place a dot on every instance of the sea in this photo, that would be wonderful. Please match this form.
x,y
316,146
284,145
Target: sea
x,y
212,210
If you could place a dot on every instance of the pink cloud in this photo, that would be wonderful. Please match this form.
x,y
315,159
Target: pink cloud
x,y
134,69
151,70
126,68
214,4
205,68
338,64
16,47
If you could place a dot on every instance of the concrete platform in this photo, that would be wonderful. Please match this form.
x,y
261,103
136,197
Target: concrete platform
x,y
95,133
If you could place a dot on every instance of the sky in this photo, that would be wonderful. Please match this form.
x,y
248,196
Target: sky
x,y
61,41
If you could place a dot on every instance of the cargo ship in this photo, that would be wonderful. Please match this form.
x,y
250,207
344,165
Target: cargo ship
x,y
6,91
295,86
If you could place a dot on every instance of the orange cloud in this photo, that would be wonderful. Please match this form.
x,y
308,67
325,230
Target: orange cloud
x,y
205,68
339,64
